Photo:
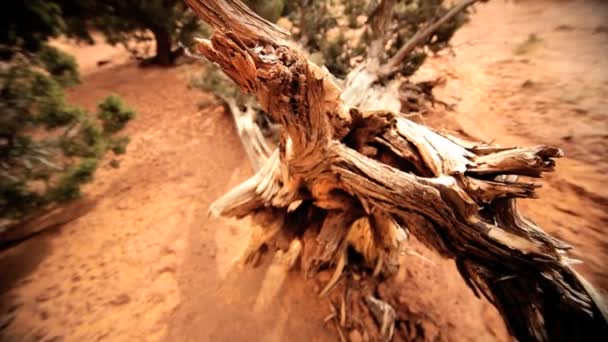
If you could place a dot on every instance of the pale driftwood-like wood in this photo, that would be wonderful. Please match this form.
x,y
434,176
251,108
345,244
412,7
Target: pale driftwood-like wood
x,y
254,142
361,89
346,177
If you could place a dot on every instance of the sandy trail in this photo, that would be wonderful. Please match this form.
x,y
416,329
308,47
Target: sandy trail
x,y
111,273
552,91
141,243
142,260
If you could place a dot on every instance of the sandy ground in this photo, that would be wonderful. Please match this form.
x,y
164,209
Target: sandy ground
x,y
142,261
553,91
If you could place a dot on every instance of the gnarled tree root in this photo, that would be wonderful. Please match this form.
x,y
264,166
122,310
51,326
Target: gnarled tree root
x,y
344,179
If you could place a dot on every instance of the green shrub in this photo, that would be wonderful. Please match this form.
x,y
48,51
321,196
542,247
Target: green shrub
x,y
119,145
271,10
317,17
68,185
114,114
132,22
48,148
60,65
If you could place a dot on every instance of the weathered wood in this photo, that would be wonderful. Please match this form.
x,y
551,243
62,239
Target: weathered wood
x,y
256,147
361,88
358,166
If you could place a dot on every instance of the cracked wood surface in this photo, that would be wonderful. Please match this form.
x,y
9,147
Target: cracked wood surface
x,y
336,164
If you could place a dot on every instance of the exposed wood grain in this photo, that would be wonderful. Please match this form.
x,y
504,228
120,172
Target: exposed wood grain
x,y
351,163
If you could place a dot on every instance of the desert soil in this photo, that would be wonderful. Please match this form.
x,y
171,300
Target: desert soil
x,y
139,259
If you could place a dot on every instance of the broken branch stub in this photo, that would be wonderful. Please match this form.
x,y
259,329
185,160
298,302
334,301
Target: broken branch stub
x,y
336,165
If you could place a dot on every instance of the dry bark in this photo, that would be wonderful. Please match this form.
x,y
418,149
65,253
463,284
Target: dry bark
x,y
348,178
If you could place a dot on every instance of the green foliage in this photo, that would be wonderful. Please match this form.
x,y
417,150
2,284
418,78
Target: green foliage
x,y
85,141
127,22
27,24
332,49
60,65
30,97
270,10
15,199
48,148
114,114
314,19
119,145
214,80
411,16
68,184
25,27
413,62
318,21
323,25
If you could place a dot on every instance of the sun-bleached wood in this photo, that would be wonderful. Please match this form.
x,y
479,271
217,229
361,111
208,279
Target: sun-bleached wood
x,y
344,176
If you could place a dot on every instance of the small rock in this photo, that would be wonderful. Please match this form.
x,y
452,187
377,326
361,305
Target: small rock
x,y
527,84
43,297
601,29
121,299
355,336
103,62
564,27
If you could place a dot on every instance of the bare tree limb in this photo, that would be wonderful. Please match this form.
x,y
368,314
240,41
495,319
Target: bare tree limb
x,y
393,64
379,20
344,176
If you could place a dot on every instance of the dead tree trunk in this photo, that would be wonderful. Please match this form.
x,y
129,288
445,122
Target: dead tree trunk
x,y
164,55
343,177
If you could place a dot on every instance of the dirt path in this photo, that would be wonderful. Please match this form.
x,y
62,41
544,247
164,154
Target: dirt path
x,y
141,243
112,273
142,261
548,89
